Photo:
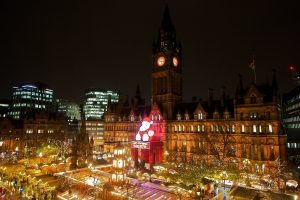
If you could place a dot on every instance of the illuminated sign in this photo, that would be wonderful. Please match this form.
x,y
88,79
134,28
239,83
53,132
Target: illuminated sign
x,y
145,131
140,145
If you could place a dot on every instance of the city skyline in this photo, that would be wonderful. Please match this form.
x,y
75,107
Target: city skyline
x,y
72,47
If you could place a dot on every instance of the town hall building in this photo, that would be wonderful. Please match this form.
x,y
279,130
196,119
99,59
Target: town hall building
x,y
243,129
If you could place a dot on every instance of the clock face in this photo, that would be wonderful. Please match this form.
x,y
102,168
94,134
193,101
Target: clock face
x,y
161,61
175,61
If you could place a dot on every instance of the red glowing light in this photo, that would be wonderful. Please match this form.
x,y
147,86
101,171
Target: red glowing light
x,y
292,68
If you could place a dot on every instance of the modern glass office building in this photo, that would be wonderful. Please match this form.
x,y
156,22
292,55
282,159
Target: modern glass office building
x,y
95,102
30,96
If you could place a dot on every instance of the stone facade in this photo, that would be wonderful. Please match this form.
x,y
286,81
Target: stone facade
x,y
242,129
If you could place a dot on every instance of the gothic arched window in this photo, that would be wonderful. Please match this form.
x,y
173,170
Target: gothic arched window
x,y
200,116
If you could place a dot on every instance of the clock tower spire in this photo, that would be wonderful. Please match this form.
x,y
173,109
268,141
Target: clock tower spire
x,y
167,71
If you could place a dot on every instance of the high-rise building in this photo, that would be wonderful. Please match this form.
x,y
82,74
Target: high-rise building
x,y
291,121
28,97
70,109
4,107
95,102
94,129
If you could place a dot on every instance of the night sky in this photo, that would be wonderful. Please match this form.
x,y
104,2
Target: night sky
x,y
73,45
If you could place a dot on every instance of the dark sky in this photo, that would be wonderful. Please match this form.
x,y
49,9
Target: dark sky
x,y
73,45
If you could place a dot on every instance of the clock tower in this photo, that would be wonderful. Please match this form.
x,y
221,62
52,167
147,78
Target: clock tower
x,y
167,68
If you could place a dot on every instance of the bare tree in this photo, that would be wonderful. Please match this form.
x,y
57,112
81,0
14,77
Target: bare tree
x,y
280,173
222,148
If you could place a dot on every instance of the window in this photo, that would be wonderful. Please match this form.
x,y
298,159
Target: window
x,y
263,168
243,128
192,128
217,128
175,128
260,129
203,128
227,128
179,128
132,118
233,128
200,116
29,131
187,117
198,128
178,117
270,128
254,128
40,131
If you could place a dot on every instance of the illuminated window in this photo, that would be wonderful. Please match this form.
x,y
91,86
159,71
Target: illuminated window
x,y
40,131
254,128
200,116
243,128
227,128
256,167
120,152
187,117
202,128
260,129
178,117
217,128
175,128
198,128
132,118
120,163
192,128
29,131
270,128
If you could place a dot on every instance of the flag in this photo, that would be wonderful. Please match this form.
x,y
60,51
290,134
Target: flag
x,y
252,65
